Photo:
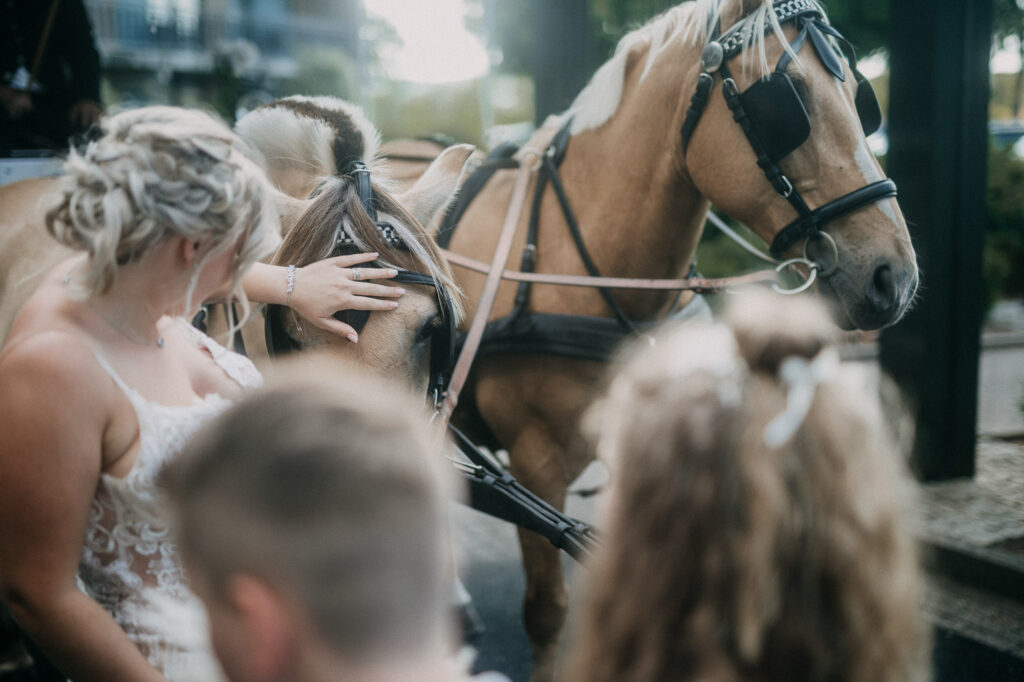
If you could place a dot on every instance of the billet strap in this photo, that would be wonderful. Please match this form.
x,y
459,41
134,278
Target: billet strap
x,y
703,285
487,296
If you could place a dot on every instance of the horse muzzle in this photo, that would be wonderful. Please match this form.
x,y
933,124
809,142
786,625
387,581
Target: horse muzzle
x,y
878,298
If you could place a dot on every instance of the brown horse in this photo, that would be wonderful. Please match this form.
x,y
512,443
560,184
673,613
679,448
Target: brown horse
x,y
391,343
641,199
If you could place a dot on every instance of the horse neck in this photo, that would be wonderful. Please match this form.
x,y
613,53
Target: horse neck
x,y
639,213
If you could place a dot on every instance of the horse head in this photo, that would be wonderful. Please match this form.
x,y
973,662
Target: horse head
x,y
320,151
773,118
808,110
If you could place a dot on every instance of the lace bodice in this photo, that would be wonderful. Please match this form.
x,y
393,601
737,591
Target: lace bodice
x,y
129,563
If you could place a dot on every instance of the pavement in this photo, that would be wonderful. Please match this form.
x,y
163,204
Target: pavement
x,y
987,510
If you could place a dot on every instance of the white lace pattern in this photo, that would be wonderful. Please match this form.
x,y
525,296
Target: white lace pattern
x,y
129,563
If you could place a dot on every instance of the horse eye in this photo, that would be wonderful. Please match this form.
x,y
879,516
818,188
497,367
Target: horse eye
x,y
428,329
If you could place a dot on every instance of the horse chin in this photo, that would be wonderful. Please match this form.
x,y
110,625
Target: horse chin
x,y
853,312
839,312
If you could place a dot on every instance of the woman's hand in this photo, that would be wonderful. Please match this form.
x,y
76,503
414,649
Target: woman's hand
x,y
334,284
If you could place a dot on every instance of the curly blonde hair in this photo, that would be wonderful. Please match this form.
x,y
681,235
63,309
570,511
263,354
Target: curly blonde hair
x,y
154,173
729,559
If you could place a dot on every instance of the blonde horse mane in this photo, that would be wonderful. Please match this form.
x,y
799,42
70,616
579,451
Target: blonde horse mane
x,y
687,23
317,138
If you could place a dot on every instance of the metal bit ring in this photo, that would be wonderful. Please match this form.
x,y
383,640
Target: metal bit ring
x,y
811,278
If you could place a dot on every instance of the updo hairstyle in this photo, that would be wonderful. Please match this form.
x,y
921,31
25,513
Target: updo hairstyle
x,y
155,173
728,557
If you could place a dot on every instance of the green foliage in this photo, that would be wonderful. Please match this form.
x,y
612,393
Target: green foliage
x,y
719,256
615,18
1008,18
1003,260
513,34
323,71
865,23
407,110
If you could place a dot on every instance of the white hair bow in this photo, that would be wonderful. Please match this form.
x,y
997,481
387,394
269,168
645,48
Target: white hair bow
x,y
801,378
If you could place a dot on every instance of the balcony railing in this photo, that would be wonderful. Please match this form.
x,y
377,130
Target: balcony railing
x,y
127,29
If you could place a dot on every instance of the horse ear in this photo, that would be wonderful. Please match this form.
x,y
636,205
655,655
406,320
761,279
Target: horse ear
x,y
428,199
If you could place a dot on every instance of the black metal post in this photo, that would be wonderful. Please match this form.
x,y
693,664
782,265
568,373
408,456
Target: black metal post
x,y
938,113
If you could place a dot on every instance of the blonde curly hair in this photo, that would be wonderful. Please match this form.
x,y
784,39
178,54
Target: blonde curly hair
x,y
154,173
728,558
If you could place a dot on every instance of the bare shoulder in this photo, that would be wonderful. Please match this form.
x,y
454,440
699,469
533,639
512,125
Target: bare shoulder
x,y
46,307
48,369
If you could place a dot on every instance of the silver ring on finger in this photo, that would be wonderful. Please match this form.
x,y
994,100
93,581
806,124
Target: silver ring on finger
x,y
356,275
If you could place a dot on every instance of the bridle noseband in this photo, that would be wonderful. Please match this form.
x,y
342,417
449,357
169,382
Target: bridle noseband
x,y
774,119
442,342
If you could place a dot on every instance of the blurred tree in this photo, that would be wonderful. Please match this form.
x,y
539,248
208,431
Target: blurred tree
x,y
615,18
517,26
865,23
323,71
1009,26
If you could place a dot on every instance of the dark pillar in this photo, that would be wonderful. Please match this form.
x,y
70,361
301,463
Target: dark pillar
x,y
938,113
562,61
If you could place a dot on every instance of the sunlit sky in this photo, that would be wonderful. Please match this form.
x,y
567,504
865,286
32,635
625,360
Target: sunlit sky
x,y
436,47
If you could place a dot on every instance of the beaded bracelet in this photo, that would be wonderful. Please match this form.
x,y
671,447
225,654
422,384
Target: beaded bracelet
x,y
290,279
291,283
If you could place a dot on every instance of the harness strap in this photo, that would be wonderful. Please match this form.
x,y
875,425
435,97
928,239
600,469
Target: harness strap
x,y
499,158
577,237
487,296
780,183
556,151
697,103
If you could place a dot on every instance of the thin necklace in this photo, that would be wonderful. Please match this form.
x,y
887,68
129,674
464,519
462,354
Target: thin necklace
x,y
159,343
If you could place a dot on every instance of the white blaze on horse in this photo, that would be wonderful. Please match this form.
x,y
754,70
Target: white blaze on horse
x,y
753,107
289,135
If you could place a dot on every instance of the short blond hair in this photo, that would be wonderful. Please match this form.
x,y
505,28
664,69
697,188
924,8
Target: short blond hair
x,y
328,485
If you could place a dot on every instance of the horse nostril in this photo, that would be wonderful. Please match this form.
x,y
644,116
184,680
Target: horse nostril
x,y
884,291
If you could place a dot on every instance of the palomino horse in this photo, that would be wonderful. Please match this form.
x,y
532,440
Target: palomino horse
x,y
393,343
774,131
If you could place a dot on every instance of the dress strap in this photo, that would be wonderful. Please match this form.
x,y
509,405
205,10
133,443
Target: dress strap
x,y
238,367
131,392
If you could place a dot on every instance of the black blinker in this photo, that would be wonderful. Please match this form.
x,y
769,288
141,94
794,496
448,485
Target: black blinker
x,y
867,105
778,114
353,318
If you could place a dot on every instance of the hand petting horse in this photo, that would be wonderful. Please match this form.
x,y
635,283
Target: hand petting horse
x,y
395,344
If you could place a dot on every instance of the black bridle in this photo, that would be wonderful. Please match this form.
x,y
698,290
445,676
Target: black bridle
x,y
774,119
442,338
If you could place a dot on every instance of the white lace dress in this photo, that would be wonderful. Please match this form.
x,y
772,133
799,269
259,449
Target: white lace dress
x,y
129,563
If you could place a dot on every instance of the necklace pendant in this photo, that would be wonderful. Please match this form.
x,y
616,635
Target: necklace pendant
x,y
160,342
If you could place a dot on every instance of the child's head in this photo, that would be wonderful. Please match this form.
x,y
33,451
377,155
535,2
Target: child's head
x,y
755,526
315,510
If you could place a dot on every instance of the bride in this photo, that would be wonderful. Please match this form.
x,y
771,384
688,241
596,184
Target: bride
x,y
102,380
